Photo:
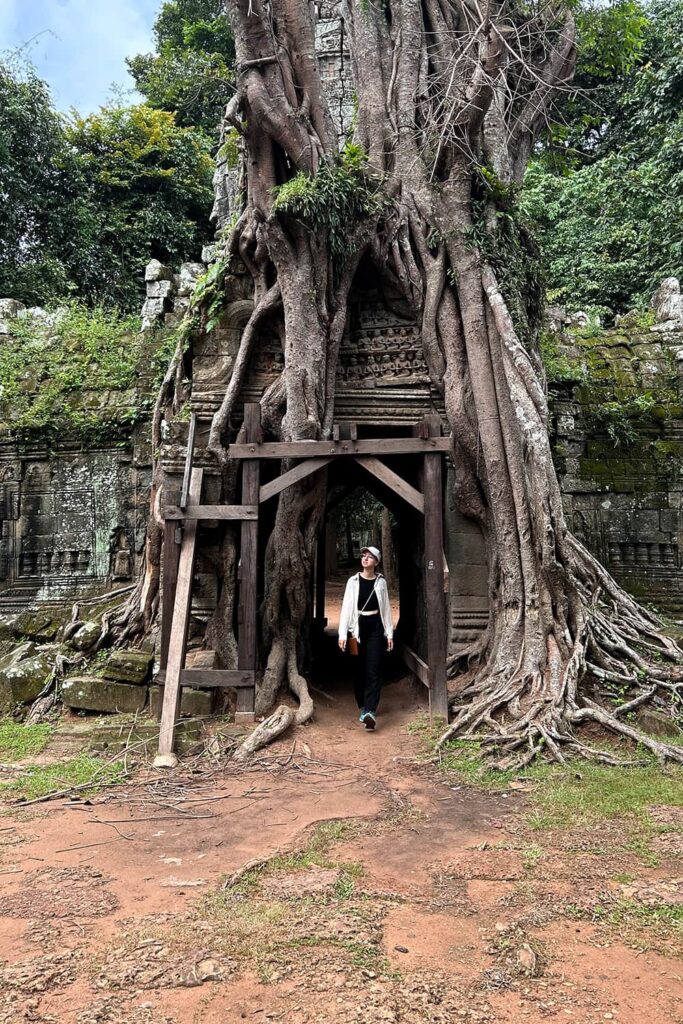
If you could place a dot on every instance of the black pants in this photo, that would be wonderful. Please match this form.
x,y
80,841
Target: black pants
x,y
371,648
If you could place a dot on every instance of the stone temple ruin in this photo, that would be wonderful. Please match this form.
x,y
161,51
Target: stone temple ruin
x,y
73,515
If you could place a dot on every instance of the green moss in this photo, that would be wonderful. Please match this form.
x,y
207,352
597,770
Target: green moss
x,y
17,742
90,375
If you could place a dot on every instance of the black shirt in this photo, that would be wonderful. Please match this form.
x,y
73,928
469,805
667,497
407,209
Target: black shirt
x,y
365,589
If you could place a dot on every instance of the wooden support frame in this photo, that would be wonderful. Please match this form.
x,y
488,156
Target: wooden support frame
x,y
247,651
178,638
433,574
311,449
184,513
175,512
292,476
169,579
217,678
392,480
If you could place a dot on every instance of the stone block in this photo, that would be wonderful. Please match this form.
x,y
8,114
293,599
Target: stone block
x,y
41,624
115,735
23,675
92,693
86,636
132,667
189,274
160,289
10,308
202,658
193,703
156,271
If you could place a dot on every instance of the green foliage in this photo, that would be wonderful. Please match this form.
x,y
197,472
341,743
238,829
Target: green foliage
x,y
560,368
339,196
607,189
40,780
87,203
209,293
17,742
150,190
623,420
191,70
54,374
44,211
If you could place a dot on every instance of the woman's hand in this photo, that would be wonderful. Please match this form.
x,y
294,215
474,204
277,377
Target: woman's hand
x,y
390,643
342,643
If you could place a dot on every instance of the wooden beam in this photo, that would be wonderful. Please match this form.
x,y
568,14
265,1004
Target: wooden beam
x,y
216,677
415,664
246,637
174,512
169,578
292,476
181,617
433,575
313,449
189,457
392,480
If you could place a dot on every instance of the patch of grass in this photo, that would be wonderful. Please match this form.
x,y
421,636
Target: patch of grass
x,y
314,854
39,780
597,793
531,856
659,926
18,742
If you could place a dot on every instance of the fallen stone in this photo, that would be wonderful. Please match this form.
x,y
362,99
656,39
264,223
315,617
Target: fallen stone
x,y
8,626
193,703
128,667
92,693
23,675
86,636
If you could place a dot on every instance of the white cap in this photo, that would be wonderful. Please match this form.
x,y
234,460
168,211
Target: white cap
x,y
375,552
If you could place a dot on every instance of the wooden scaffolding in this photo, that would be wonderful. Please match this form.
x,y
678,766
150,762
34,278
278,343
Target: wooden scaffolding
x,y
181,519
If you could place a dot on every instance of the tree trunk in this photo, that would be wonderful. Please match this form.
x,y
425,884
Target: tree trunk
x,y
451,98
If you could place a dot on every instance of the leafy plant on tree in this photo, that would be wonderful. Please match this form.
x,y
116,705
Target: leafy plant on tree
x,y
450,102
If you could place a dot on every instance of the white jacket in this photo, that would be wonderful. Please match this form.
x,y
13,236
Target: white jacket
x,y
348,619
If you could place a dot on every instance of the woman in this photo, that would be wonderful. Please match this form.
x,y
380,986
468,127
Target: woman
x,y
366,615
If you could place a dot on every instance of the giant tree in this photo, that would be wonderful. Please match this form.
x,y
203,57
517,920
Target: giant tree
x,y
451,96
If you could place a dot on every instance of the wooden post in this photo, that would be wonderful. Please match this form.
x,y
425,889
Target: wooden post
x,y
170,558
178,640
433,573
247,639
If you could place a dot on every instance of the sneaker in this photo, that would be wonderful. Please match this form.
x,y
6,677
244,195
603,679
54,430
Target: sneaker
x,y
369,720
361,717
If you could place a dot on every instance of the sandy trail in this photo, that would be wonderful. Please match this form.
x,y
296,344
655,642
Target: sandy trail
x,y
419,907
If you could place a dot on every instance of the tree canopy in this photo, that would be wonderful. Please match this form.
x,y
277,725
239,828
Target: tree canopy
x,y
191,70
606,191
87,202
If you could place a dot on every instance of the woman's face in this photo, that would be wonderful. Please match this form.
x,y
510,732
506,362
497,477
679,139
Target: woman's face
x,y
367,560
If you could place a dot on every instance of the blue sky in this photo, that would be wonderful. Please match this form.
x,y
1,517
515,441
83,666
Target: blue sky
x,y
79,46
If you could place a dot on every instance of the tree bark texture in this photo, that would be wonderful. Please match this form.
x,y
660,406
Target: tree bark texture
x,y
451,98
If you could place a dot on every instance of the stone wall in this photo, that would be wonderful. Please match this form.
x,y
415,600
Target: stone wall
x,y
73,510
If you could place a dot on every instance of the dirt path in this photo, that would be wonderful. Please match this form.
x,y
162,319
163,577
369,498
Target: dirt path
x,y
409,900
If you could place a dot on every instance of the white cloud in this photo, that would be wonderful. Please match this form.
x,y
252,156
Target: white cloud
x,y
79,46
